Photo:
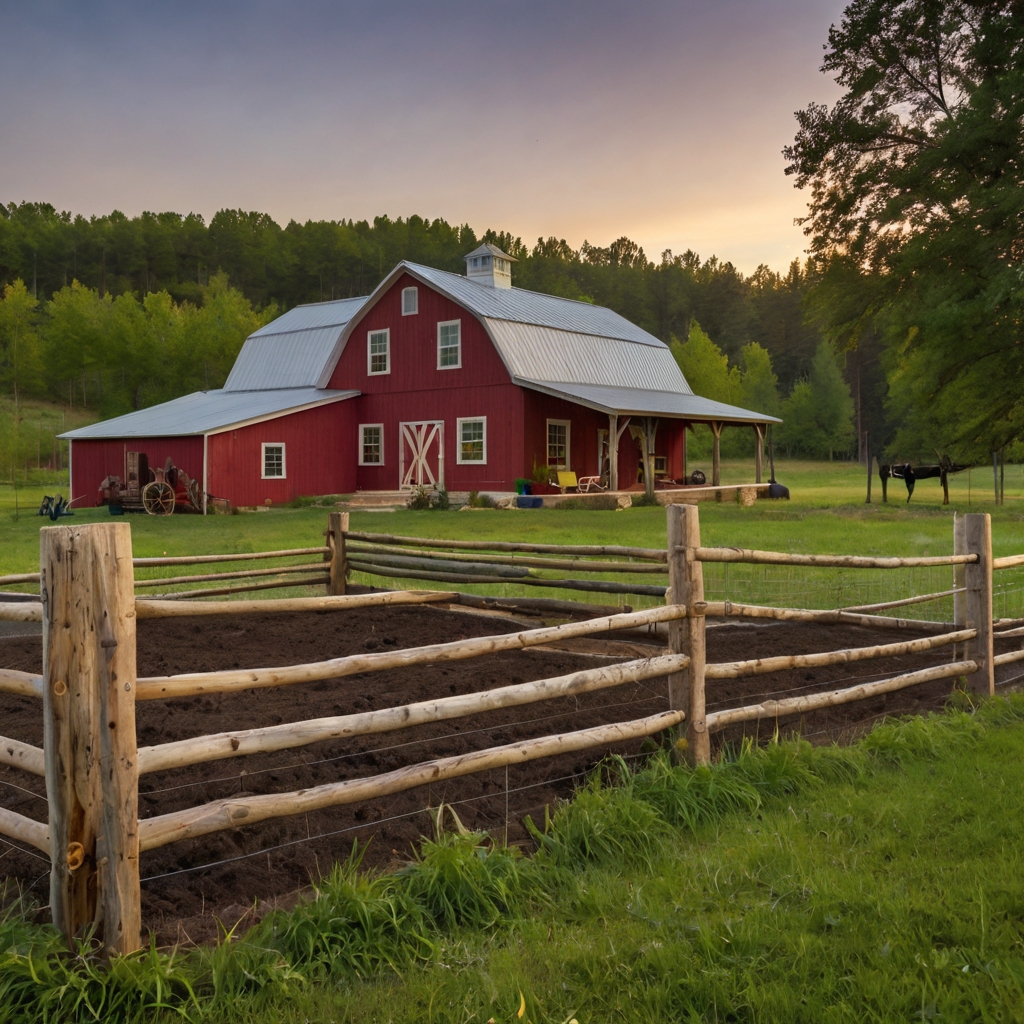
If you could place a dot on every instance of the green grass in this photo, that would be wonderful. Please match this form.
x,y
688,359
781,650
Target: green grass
x,y
880,882
826,514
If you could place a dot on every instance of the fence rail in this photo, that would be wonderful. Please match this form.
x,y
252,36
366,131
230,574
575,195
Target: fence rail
x,y
755,557
88,609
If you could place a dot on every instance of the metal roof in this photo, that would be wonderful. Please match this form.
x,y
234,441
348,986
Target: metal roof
x,y
543,353
486,249
525,307
647,402
205,412
335,313
292,351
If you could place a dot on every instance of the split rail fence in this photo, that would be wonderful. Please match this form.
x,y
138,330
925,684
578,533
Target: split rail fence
x,y
89,606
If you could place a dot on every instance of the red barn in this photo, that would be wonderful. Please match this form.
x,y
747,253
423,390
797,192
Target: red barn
x,y
433,380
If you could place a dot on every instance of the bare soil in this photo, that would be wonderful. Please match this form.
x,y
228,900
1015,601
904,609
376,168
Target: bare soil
x,y
189,886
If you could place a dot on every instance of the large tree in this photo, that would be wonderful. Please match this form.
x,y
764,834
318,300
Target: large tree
x,y
915,178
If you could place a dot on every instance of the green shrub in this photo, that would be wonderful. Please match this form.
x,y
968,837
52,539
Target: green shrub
x,y
419,499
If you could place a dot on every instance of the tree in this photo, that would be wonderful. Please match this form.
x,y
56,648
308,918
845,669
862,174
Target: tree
x,y
706,368
917,184
760,386
20,366
817,417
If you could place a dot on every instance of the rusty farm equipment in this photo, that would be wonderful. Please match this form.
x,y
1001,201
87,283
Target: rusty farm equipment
x,y
159,492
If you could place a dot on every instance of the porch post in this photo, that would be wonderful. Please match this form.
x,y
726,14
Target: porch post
x,y
716,464
613,451
758,452
650,430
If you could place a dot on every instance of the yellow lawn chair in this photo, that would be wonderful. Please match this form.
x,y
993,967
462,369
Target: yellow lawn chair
x,y
567,480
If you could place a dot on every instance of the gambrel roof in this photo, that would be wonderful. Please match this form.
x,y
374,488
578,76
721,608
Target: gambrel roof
x,y
584,353
291,351
588,354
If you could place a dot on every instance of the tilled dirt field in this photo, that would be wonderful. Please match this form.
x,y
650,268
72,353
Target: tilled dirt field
x,y
189,885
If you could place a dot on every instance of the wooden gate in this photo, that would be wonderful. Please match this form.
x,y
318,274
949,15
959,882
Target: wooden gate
x,y
421,454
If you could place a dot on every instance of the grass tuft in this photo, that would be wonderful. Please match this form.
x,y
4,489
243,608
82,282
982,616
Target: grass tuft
x,y
787,908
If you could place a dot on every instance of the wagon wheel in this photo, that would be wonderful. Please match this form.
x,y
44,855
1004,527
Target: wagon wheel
x,y
195,496
158,498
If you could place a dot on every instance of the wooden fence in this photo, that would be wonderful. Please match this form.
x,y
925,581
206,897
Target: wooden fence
x,y
88,608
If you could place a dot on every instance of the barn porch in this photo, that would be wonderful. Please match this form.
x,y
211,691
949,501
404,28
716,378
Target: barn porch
x,y
622,437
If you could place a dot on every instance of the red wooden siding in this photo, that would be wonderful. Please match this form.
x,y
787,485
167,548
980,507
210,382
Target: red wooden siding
x,y
502,405
91,461
416,390
414,347
319,457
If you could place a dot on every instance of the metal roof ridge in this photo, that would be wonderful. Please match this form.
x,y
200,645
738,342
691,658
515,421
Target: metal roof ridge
x,y
326,302
264,333
566,330
523,291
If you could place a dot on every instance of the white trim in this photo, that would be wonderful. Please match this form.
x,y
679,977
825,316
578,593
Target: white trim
x,y
568,444
71,479
263,460
459,460
420,434
370,372
449,323
380,427
416,300
206,448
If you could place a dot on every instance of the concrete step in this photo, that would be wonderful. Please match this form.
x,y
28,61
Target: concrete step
x,y
377,499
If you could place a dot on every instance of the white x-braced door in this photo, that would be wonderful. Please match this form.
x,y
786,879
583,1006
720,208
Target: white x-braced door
x,y
421,454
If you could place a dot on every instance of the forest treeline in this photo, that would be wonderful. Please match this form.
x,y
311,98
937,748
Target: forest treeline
x,y
116,313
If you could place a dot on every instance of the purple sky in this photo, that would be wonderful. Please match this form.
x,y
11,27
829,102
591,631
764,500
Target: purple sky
x,y
583,119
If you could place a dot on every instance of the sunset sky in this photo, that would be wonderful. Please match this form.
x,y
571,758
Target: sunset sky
x,y
582,119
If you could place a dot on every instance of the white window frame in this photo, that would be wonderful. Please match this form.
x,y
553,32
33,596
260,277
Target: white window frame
x,y
370,371
449,323
459,460
362,443
415,293
568,444
264,475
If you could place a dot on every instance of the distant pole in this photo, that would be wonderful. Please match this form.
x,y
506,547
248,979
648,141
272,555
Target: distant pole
x,y
867,451
995,473
1002,475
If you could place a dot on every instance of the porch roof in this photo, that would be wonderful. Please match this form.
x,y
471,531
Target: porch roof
x,y
645,402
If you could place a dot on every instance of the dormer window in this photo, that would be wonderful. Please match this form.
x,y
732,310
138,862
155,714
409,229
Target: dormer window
x,y
410,301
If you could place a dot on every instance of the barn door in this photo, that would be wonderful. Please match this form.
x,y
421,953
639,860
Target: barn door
x,y
421,455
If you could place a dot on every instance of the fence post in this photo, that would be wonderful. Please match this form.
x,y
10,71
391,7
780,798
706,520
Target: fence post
x,y
978,605
686,636
959,582
337,527
87,588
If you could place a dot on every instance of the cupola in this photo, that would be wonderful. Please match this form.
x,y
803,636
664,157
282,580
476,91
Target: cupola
x,y
489,266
